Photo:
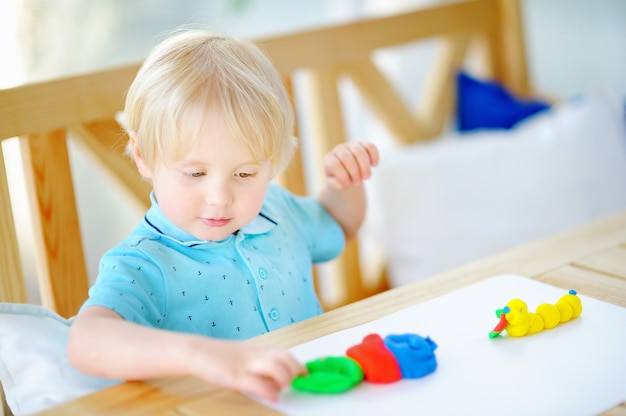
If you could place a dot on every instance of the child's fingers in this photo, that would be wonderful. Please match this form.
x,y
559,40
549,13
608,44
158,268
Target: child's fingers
x,y
351,163
336,172
283,359
285,369
372,152
273,373
263,387
357,162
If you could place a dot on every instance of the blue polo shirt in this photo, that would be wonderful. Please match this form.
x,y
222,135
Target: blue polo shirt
x,y
250,283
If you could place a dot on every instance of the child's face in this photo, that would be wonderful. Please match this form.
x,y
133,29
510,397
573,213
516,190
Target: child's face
x,y
215,189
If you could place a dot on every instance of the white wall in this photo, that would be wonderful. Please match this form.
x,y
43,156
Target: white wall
x,y
574,46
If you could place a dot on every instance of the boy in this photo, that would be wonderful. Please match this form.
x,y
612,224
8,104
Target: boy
x,y
223,254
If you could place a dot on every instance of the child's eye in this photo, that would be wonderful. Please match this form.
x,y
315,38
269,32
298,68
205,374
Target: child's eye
x,y
196,174
244,175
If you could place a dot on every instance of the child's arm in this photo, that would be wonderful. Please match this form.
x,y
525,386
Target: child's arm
x,y
346,167
102,344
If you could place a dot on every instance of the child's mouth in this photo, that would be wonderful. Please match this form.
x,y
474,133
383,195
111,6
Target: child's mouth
x,y
216,222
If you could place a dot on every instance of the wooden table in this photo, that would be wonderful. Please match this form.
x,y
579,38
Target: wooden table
x,y
591,258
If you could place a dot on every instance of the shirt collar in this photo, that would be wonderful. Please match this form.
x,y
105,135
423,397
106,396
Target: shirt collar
x,y
156,221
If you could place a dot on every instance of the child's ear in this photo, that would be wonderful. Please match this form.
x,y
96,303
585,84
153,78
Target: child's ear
x,y
134,151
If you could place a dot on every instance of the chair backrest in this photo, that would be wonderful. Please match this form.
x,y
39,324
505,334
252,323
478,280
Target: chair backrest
x,y
42,115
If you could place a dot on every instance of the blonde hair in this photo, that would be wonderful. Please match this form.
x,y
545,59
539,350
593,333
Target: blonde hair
x,y
194,71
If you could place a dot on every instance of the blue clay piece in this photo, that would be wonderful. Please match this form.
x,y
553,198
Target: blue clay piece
x,y
414,354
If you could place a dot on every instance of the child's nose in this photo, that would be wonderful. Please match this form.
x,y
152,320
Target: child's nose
x,y
218,192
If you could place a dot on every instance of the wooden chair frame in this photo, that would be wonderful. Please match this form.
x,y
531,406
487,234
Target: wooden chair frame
x,y
42,115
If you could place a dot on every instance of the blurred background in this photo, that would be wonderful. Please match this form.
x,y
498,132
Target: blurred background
x,y
573,46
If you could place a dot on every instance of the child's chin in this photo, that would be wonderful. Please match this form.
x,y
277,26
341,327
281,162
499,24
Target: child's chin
x,y
214,235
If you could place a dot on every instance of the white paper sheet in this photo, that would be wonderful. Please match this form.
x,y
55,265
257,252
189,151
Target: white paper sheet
x,y
577,368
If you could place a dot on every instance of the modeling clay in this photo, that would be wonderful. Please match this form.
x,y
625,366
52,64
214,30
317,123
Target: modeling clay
x,y
378,363
518,322
413,353
329,375
374,359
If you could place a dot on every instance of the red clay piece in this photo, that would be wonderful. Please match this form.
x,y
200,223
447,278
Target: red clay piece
x,y
378,363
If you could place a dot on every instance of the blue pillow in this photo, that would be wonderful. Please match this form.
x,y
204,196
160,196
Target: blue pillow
x,y
488,105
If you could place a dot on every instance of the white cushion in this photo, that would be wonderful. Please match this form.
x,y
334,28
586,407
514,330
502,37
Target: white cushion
x,y
442,204
34,370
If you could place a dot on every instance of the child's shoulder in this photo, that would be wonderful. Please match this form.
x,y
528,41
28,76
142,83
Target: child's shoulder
x,y
136,242
276,189
281,203
278,198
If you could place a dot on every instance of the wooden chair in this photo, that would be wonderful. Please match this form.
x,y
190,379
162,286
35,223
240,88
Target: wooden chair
x,y
326,55
42,115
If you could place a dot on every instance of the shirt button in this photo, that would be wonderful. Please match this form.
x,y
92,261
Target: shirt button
x,y
274,314
262,273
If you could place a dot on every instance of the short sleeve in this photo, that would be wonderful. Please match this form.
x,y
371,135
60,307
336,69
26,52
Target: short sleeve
x,y
322,233
131,285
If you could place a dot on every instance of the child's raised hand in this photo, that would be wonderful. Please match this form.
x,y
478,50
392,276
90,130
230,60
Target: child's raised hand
x,y
350,164
259,370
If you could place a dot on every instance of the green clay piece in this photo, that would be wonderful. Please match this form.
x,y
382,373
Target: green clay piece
x,y
329,375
